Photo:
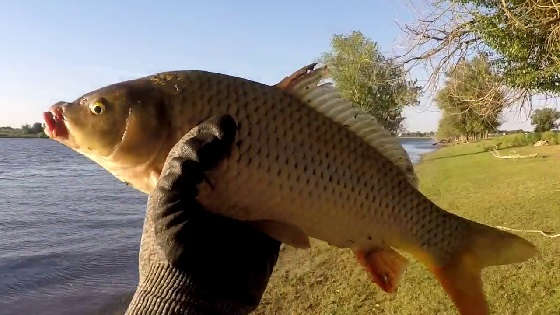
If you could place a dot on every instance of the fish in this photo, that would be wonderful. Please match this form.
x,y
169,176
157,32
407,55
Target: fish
x,y
305,163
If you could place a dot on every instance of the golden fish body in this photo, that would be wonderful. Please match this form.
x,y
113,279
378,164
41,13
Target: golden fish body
x,y
304,164
293,164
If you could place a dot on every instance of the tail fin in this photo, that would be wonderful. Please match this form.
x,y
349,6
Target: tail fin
x,y
485,246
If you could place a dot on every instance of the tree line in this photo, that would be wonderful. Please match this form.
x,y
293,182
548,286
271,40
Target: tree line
x,y
27,130
34,128
482,57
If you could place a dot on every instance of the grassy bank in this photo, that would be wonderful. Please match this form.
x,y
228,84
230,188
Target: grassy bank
x,y
466,180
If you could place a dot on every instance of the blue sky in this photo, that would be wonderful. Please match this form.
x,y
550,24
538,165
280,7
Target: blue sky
x,y
59,50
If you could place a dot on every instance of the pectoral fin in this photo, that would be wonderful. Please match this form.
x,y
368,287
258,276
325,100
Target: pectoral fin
x,y
283,232
384,265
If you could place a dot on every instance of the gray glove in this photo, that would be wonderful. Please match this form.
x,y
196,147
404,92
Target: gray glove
x,y
193,261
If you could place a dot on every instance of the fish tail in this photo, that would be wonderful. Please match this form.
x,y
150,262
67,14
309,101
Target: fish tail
x,y
484,246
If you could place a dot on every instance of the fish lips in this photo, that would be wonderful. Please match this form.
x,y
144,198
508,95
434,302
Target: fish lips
x,y
54,120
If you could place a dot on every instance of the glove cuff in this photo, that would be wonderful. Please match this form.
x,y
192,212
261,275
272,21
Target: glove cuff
x,y
166,290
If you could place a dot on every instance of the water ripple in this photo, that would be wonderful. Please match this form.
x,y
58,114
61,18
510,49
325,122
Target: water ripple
x,y
69,231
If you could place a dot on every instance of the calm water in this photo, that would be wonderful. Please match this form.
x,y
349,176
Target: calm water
x,y
69,231
415,147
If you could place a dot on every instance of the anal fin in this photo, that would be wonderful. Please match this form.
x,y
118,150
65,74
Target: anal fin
x,y
461,280
283,232
384,265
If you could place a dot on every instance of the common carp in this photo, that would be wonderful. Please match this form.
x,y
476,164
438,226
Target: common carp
x,y
305,163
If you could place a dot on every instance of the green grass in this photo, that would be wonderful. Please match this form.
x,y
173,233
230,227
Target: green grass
x,y
466,180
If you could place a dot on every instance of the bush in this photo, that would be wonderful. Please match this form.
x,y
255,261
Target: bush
x,y
514,140
551,137
534,137
522,139
518,140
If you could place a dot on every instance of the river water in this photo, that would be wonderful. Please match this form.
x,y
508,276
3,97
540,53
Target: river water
x,y
69,231
416,147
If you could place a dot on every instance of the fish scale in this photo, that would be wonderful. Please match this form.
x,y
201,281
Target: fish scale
x,y
354,159
305,163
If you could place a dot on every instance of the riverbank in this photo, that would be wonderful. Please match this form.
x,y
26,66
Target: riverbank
x,y
417,137
470,182
27,131
27,136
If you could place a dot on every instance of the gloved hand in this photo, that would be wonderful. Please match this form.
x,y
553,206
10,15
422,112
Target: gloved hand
x,y
193,261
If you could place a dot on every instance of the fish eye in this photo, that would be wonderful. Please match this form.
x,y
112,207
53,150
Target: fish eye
x,y
97,108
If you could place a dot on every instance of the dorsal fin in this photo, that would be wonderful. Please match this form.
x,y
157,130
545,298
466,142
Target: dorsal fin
x,y
325,98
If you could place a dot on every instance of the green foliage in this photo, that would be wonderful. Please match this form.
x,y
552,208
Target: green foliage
x,y
545,119
522,37
521,140
551,137
37,127
31,129
367,78
26,128
515,140
525,36
447,127
471,100
26,131
533,137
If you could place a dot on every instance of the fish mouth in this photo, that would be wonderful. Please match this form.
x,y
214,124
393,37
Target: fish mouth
x,y
55,126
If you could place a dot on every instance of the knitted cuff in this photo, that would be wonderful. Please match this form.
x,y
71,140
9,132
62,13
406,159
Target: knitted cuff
x,y
166,290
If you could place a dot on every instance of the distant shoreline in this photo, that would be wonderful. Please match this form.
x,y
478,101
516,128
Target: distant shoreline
x,y
23,137
46,137
415,137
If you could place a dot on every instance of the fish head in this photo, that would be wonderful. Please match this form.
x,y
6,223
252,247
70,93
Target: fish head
x,y
121,127
93,124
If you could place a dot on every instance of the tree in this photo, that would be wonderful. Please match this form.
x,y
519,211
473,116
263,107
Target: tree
x,y
30,129
37,127
448,126
545,119
522,37
367,78
471,100
26,128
